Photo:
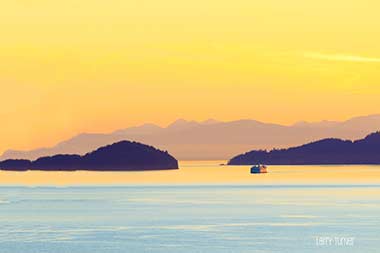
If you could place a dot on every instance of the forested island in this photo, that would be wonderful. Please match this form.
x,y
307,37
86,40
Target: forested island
x,y
326,151
120,156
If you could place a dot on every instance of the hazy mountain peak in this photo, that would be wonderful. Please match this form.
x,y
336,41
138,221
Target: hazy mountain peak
x,y
301,123
147,128
182,123
210,122
368,118
323,123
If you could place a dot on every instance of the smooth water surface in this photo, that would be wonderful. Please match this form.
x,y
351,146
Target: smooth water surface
x,y
234,217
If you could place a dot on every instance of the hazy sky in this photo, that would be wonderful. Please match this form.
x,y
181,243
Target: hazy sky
x,y
73,66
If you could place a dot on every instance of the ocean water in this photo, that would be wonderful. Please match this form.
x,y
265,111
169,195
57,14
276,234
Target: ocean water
x,y
195,216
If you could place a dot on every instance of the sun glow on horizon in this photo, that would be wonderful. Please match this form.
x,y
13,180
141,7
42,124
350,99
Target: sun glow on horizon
x,y
94,66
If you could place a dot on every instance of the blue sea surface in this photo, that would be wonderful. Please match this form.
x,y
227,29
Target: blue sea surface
x,y
190,218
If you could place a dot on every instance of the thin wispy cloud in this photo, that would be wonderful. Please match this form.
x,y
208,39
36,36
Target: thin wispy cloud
x,y
340,57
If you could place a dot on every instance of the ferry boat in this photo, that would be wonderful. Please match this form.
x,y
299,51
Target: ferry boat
x,y
260,168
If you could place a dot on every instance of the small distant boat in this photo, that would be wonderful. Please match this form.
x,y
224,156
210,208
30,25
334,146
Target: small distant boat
x,y
257,169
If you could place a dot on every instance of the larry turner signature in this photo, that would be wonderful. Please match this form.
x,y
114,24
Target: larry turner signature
x,y
322,241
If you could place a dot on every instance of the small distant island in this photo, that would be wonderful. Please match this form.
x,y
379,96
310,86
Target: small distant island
x,y
120,156
326,151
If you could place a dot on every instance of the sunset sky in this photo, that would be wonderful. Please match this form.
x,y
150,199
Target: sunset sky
x,y
95,66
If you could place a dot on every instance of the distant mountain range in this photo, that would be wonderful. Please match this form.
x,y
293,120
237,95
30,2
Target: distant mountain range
x,y
327,151
121,156
211,139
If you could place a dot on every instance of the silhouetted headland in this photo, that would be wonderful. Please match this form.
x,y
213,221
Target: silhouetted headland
x,y
326,151
120,156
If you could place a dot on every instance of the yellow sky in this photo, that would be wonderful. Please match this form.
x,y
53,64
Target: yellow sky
x,y
95,66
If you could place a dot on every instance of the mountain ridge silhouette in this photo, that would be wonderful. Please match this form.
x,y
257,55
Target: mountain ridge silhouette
x,y
211,139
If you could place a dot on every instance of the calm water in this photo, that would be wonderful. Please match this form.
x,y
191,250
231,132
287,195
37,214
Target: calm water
x,y
276,215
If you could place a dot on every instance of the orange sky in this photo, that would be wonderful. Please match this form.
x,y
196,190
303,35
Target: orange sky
x,y
95,66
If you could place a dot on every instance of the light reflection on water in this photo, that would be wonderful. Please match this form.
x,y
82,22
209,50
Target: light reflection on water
x,y
284,211
203,172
